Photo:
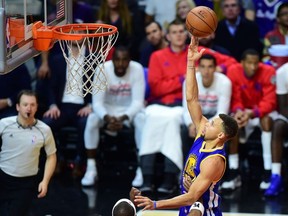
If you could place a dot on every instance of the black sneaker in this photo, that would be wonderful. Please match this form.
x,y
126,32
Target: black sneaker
x,y
233,180
265,183
165,192
167,189
146,190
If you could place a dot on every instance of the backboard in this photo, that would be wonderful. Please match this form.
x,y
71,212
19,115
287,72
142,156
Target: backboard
x,y
16,20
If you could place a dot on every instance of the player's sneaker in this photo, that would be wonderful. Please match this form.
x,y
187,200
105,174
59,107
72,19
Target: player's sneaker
x,y
275,187
138,180
89,178
265,183
233,180
166,190
146,189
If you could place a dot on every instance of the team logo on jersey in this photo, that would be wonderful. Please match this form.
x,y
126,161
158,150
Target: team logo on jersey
x,y
190,166
33,139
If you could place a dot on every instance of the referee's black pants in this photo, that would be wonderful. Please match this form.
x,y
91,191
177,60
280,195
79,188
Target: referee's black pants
x,y
16,194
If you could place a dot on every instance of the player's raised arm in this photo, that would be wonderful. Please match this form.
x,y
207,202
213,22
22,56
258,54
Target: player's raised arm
x,y
191,82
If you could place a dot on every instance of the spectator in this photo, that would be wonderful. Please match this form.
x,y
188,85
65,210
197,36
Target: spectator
x,y
279,132
278,35
249,9
209,43
263,13
155,40
67,109
82,13
117,13
11,84
214,92
22,137
182,9
155,11
253,99
163,115
116,107
235,33
247,6
223,61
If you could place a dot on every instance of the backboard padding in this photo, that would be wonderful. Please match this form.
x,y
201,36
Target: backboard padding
x,y
16,21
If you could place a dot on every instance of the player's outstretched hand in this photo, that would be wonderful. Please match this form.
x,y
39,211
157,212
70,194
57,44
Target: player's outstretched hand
x,y
144,202
193,53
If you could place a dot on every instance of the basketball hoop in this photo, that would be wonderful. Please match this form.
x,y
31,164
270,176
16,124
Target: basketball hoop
x,y
85,48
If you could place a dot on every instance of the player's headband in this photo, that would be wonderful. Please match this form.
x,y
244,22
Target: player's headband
x,y
124,200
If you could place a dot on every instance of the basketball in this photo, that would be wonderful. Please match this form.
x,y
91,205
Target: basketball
x,y
201,21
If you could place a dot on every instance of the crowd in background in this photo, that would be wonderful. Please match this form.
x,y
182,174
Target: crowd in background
x,y
244,72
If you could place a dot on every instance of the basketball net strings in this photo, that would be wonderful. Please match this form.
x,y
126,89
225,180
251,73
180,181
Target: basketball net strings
x,y
86,70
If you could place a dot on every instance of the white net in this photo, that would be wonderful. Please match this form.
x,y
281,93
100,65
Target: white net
x,y
85,60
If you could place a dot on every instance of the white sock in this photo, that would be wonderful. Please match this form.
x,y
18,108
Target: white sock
x,y
91,164
233,161
276,168
266,147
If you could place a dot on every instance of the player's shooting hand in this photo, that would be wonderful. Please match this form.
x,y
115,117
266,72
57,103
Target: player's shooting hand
x,y
193,53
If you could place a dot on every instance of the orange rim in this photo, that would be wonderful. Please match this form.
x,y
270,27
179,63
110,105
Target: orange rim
x,y
64,32
45,36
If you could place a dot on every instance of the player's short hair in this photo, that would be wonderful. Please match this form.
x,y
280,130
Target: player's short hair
x,y
247,52
209,57
124,207
230,125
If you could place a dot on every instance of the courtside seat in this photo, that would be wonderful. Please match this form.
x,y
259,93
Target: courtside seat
x,y
120,149
67,138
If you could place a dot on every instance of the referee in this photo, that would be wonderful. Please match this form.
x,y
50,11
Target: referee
x,y
22,138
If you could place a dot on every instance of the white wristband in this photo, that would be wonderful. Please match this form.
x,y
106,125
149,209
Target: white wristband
x,y
198,206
